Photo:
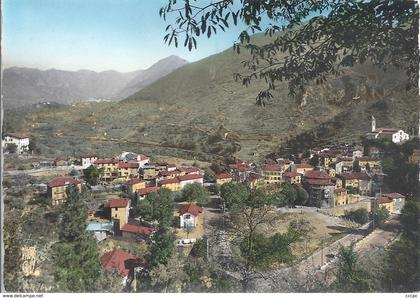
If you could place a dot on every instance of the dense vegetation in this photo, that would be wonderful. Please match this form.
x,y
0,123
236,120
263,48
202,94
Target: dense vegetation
x,y
75,256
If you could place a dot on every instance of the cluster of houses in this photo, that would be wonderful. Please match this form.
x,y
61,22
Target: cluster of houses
x,y
333,176
330,181
139,177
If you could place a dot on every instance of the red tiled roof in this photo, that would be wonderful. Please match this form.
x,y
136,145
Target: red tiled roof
x,y
223,176
106,161
146,231
189,170
169,181
303,166
117,203
339,190
290,174
317,175
170,165
91,155
17,135
145,191
117,259
354,176
61,181
134,181
253,176
167,173
271,168
190,208
190,177
387,130
283,160
321,182
384,200
270,161
128,165
240,167
394,195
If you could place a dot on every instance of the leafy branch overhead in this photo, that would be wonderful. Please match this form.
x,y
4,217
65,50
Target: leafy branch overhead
x,y
309,39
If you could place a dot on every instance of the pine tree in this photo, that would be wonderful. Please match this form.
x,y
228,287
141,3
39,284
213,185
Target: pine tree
x,y
76,256
74,215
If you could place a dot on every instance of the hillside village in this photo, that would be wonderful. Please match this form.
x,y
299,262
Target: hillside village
x,y
334,182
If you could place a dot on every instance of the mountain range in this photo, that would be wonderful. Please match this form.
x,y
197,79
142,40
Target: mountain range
x,y
23,86
200,110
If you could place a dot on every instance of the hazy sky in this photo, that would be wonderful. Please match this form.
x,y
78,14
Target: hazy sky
x,y
123,35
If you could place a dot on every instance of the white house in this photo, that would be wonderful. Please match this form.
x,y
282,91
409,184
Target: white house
x,y
396,135
357,154
130,156
87,160
190,179
188,215
398,200
21,141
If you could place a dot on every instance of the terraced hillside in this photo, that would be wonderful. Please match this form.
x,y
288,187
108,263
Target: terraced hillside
x,y
200,110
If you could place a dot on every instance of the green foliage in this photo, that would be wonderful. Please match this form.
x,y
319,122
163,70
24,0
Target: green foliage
x,y
168,277
233,194
302,196
33,146
74,172
13,254
262,252
286,195
92,174
11,148
195,193
401,267
194,269
73,215
199,249
380,214
161,248
314,161
156,206
209,174
76,264
76,256
328,25
352,190
290,193
361,216
356,166
409,220
350,278
108,282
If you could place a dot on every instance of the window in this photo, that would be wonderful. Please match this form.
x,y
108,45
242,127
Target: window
x,y
187,216
116,209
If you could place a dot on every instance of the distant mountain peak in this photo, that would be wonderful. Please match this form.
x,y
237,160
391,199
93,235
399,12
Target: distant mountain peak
x,y
23,86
